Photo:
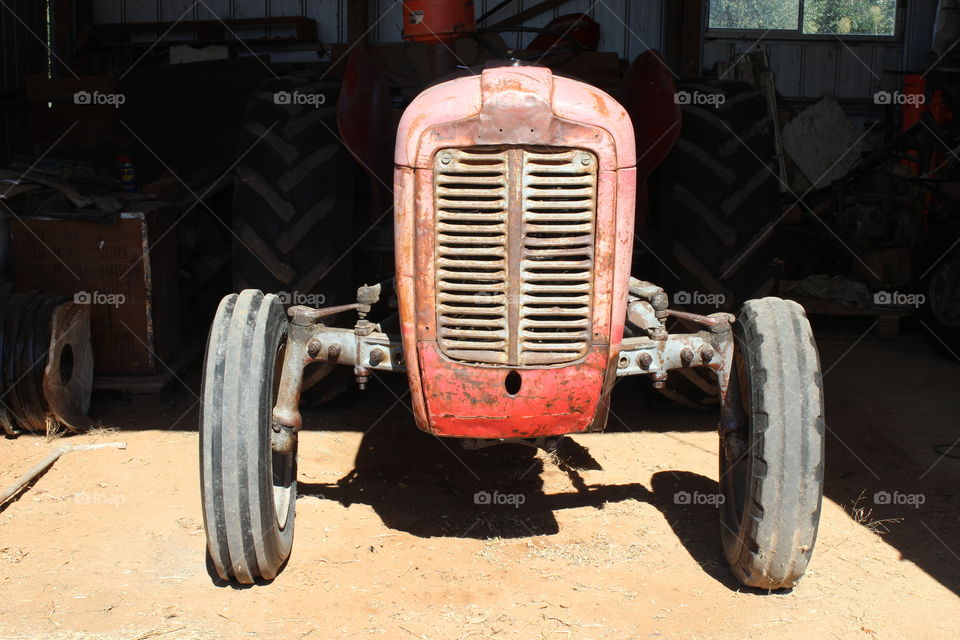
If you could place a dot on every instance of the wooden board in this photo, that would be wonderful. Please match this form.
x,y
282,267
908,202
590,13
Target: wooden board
x,y
126,272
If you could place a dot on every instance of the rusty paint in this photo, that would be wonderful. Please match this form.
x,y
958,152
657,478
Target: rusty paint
x,y
471,401
516,107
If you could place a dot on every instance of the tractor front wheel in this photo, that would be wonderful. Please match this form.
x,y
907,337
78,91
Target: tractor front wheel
x,y
248,491
771,469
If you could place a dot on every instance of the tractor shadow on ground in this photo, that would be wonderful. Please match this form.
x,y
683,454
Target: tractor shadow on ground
x,y
432,487
424,486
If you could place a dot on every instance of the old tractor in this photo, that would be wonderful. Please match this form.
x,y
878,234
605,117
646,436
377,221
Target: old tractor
x,y
515,197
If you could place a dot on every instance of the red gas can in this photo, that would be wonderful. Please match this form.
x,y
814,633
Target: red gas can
x,y
437,20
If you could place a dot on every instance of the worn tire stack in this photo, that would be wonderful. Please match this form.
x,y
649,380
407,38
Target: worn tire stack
x,y
28,399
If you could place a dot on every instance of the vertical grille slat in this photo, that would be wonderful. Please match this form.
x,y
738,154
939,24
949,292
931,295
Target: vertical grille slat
x,y
532,305
470,188
560,197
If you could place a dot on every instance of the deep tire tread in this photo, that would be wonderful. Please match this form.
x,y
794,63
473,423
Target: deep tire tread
x,y
772,544
244,540
293,199
724,163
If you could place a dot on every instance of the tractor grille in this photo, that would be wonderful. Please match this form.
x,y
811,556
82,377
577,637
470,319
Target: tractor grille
x,y
514,254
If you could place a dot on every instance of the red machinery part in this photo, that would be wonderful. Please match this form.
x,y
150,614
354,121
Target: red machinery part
x,y
512,106
434,21
578,27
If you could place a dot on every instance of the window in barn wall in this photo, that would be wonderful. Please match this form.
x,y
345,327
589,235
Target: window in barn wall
x,y
850,17
755,14
876,18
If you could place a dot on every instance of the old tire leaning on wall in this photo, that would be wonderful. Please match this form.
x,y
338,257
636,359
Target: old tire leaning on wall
x,y
771,473
718,197
293,200
248,492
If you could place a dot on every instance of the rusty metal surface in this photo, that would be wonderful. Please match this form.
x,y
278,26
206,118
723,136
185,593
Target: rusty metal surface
x,y
557,253
472,402
714,319
302,315
515,246
522,110
306,344
712,347
472,190
515,105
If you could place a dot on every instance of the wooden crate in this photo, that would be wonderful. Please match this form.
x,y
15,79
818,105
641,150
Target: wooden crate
x,y
126,271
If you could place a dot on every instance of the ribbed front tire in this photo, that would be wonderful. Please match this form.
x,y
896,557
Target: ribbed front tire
x,y
773,490
248,492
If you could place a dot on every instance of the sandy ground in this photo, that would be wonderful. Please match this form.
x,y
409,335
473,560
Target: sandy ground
x,y
390,542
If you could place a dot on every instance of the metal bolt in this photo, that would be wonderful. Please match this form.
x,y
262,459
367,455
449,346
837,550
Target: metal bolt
x,y
376,357
585,160
313,348
446,158
686,356
659,301
706,354
333,352
659,380
623,362
644,360
363,376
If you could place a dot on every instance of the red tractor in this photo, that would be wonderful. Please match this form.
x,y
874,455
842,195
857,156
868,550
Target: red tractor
x,y
515,198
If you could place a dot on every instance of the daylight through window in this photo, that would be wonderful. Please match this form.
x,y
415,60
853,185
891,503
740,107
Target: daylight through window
x,y
818,17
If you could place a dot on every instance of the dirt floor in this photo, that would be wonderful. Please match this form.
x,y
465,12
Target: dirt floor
x,y
390,542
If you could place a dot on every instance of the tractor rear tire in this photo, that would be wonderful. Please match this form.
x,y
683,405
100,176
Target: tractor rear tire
x,y
248,492
718,198
293,199
771,476
939,264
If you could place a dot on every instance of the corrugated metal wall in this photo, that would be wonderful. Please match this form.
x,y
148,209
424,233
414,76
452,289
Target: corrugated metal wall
x,y
813,69
804,68
22,53
628,27
329,14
